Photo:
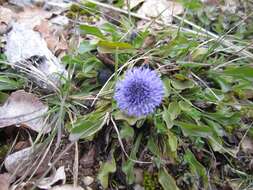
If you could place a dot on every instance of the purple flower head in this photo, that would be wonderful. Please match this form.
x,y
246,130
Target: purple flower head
x,y
140,92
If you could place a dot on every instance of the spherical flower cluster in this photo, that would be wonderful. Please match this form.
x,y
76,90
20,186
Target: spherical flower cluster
x,y
140,92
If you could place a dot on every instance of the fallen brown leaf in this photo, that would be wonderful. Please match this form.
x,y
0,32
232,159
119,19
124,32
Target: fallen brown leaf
x,y
20,162
58,175
23,108
31,17
55,39
5,180
247,145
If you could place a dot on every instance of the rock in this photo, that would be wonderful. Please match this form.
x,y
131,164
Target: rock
x,y
87,180
60,20
27,51
6,16
21,3
57,5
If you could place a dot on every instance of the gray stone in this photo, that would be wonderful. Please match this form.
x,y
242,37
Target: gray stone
x,y
27,51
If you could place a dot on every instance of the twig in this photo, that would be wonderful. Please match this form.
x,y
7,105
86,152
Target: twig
x,y
243,138
75,167
122,145
203,82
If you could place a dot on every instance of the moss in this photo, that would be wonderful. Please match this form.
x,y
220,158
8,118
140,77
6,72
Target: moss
x,y
75,8
151,182
71,15
3,150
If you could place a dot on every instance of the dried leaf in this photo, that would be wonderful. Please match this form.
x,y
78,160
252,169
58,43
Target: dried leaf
x,y
58,175
247,145
55,40
23,108
88,180
20,161
31,17
161,8
230,6
5,180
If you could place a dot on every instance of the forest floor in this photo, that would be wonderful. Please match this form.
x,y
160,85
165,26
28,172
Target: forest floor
x,y
66,121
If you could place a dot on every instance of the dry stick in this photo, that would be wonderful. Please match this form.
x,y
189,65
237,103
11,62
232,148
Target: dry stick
x,y
203,82
76,164
228,62
122,145
225,42
203,31
243,138
57,159
41,160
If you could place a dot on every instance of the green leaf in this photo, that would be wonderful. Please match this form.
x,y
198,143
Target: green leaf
x,y
3,97
185,106
114,45
167,85
153,147
128,167
182,85
92,30
160,125
172,141
174,110
127,132
167,119
197,168
197,55
166,180
190,129
193,4
87,127
108,167
242,72
9,84
86,46
177,47
129,119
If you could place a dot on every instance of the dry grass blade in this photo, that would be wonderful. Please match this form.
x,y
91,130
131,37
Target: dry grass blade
x,y
200,31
